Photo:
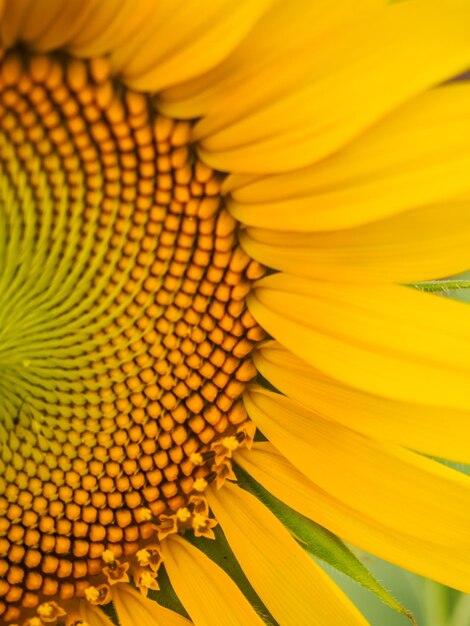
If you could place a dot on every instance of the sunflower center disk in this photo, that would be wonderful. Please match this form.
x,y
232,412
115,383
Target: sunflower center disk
x,y
124,337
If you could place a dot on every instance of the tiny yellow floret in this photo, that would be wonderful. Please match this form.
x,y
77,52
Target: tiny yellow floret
x,y
199,521
196,458
183,514
200,484
92,594
146,580
108,557
45,610
143,557
230,443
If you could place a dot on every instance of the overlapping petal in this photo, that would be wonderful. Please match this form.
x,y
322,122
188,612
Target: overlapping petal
x,y
111,25
133,608
416,156
287,580
151,45
180,42
401,497
93,615
384,339
367,67
432,430
45,24
286,482
289,30
208,594
427,243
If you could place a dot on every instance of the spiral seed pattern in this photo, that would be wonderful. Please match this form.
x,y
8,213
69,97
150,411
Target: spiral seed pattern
x,y
124,336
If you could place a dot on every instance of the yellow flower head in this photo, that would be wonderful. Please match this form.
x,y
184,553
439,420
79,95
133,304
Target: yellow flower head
x,y
207,213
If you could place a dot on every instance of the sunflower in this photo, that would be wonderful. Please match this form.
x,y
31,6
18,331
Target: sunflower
x,y
210,211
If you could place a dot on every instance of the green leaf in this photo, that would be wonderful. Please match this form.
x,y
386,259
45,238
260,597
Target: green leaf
x,y
321,543
441,286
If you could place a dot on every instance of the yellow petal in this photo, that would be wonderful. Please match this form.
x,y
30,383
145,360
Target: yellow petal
x,y
92,615
384,339
133,608
289,30
13,16
208,594
178,44
292,586
415,156
235,181
367,68
417,245
86,28
383,537
50,24
435,431
111,24
386,482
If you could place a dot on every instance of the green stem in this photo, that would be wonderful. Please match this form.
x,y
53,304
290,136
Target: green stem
x,y
436,286
435,604
461,614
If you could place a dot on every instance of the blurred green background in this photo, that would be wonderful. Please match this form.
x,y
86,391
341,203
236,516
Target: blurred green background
x,y
430,603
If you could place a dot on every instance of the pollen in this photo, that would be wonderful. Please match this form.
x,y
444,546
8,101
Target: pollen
x,y
147,580
200,484
183,514
124,336
143,557
108,557
230,443
45,610
92,594
196,458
